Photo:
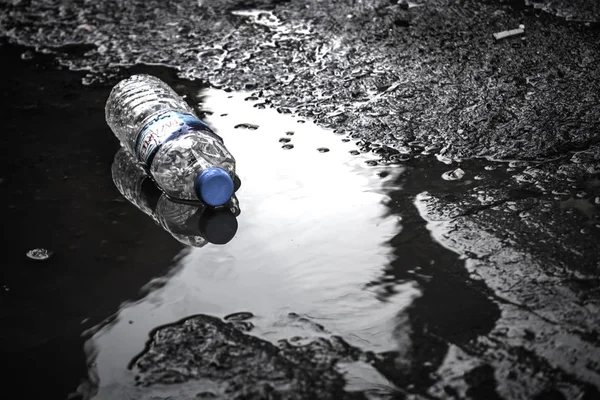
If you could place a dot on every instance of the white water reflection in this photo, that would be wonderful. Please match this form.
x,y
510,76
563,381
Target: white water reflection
x,y
313,231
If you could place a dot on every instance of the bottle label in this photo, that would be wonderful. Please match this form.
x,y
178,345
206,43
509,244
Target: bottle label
x,y
163,128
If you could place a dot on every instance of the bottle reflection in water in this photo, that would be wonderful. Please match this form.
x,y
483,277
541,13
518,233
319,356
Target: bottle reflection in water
x,y
192,224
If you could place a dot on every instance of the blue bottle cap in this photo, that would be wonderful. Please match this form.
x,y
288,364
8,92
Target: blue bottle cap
x,y
214,186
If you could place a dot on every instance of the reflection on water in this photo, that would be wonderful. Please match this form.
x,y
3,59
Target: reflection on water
x,y
192,224
314,232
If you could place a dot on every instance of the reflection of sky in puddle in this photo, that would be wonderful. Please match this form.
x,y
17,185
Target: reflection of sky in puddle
x,y
313,231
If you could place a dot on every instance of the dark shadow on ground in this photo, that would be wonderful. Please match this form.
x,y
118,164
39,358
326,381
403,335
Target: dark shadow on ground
x,y
454,309
57,193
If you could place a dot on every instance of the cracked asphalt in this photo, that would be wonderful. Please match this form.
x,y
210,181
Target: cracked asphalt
x,y
426,86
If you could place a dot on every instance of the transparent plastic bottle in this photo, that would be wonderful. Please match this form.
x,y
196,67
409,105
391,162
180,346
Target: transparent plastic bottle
x,y
192,224
186,159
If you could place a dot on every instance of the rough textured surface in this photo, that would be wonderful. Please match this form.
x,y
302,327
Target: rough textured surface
x,y
239,366
533,243
395,74
421,80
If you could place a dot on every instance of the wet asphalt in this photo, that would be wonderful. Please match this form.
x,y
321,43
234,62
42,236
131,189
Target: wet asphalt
x,y
505,257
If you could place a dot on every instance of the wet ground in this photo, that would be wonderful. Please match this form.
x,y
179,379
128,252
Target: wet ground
x,y
377,252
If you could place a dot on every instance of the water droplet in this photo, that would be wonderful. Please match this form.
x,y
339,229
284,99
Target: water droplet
x,y
251,98
597,200
239,316
284,140
489,167
371,163
27,55
287,146
246,126
345,140
322,149
39,254
479,177
224,115
354,152
443,159
517,164
417,145
397,158
424,196
301,121
383,174
87,80
290,133
244,326
453,175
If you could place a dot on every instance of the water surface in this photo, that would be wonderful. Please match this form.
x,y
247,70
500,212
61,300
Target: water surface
x,y
329,242
314,236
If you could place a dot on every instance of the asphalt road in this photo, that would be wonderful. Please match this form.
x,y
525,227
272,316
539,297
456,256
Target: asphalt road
x,y
519,116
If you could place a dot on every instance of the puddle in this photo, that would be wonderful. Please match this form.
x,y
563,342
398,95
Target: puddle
x,y
327,241
314,230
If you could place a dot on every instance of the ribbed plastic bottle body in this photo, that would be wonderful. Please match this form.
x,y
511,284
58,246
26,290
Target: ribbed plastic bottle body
x,y
178,162
134,101
163,133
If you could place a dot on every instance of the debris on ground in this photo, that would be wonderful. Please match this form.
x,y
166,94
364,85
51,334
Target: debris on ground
x,y
39,254
512,32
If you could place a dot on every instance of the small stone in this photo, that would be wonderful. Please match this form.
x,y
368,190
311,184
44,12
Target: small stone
x,y
39,254
453,175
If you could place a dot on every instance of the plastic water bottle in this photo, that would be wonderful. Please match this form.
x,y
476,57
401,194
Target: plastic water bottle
x,y
186,159
193,224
